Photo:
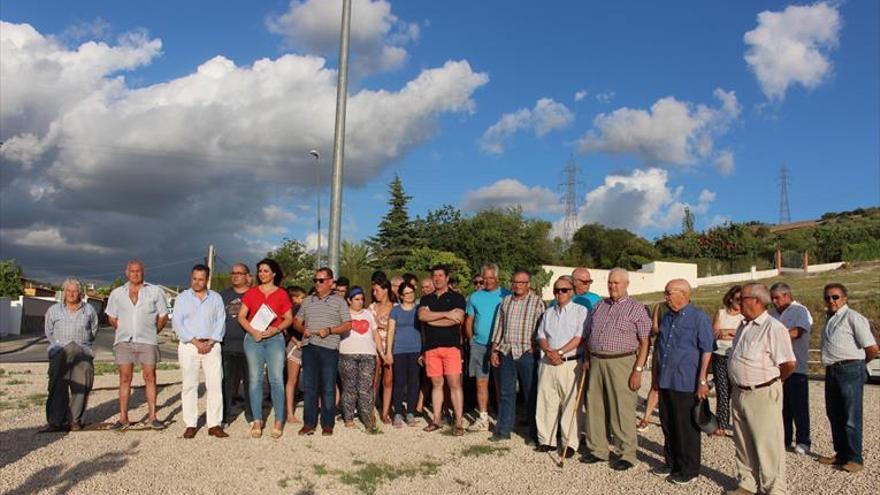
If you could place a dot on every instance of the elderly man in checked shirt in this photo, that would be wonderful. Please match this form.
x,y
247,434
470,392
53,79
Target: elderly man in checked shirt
x,y
71,326
617,346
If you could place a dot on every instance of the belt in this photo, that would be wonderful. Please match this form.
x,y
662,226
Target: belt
x,y
755,387
846,362
572,358
612,356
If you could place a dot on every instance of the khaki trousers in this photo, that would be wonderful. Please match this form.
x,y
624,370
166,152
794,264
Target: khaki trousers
x,y
556,390
611,402
757,436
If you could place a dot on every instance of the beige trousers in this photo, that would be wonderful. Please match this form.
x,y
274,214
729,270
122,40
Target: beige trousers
x,y
610,402
211,364
556,390
758,437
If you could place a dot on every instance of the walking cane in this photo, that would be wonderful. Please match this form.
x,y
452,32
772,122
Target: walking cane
x,y
577,403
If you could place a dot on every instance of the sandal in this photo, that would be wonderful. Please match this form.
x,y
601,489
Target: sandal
x,y
431,427
118,426
458,431
256,430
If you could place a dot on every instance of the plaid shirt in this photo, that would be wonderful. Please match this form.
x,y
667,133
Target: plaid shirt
x,y
615,327
63,327
516,323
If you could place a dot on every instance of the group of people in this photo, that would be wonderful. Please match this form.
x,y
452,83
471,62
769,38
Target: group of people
x,y
342,351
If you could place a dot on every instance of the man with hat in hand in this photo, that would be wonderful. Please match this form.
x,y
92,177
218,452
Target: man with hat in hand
x,y
760,359
684,348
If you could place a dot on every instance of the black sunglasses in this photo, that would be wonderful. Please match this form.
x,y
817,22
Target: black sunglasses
x,y
562,290
320,280
832,297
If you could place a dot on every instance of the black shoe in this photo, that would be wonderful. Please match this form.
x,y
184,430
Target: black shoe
x,y
544,448
568,453
590,459
497,437
622,465
680,479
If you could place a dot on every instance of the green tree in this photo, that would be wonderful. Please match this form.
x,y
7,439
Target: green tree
x,y
422,259
396,236
10,279
356,262
441,229
603,247
296,262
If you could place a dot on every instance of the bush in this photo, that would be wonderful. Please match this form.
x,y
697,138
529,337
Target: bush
x,y
862,251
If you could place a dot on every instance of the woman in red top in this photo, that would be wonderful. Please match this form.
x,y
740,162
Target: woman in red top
x,y
266,346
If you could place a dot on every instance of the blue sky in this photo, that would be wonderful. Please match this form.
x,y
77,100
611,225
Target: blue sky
x,y
140,152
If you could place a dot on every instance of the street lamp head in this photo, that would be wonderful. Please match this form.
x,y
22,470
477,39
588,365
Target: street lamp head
x,y
315,154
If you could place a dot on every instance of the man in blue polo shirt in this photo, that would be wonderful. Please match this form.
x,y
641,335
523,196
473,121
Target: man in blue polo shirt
x,y
481,310
685,346
582,294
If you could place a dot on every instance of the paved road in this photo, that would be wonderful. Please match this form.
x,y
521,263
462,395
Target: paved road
x,y
31,348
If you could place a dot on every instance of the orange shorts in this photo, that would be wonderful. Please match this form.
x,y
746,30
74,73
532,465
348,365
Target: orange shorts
x,y
443,361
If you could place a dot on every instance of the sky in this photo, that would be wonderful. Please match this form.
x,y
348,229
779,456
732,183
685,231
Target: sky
x,y
154,130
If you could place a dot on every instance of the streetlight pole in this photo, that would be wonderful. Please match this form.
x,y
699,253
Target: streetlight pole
x,y
339,140
317,156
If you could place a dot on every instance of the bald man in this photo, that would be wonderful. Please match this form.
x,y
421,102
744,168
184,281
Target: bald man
x,y
685,345
582,284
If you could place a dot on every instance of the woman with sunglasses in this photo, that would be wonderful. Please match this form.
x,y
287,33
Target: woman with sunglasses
x,y
727,320
357,362
383,302
402,353
265,345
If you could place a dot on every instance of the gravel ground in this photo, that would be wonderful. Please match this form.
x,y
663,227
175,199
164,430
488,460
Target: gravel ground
x,y
394,461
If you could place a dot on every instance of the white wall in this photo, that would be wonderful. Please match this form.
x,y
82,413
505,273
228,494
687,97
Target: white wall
x,y
731,278
652,277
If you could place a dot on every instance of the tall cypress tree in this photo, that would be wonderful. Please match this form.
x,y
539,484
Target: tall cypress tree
x,y
396,236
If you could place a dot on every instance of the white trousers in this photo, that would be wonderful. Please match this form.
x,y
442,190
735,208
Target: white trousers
x,y
211,363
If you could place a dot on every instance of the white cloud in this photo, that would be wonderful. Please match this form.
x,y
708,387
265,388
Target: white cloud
x,y
546,116
725,162
605,97
377,37
671,131
507,193
642,199
276,214
717,220
791,47
580,95
210,149
51,238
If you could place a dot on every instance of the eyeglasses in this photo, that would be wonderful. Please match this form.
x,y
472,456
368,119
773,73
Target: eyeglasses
x,y
832,297
237,273
408,293
520,282
319,280
562,290
478,282
587,281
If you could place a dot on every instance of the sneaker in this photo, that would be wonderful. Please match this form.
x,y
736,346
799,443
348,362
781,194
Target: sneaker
x,y
480,424
852,467
662,471
830,461
398,421
411,419
156,424
680,479
801,449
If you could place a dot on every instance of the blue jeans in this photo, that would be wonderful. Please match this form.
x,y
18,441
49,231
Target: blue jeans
x,y
525,370
319,367
844,391
271,353
796,409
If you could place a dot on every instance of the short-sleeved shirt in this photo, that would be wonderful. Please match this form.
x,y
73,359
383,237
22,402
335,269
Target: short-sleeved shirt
x,y
797,315
323,312
684,337
137,322
483,306
407,337
233,341
560,324
63,326
516,324
615,327
437,335
277,300
359,340
588,300
845,336
758,349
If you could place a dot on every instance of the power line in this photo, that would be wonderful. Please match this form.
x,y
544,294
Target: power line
x,y
569,199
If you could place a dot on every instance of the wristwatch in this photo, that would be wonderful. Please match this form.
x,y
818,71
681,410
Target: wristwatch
x,y
559,351
640,369
704,382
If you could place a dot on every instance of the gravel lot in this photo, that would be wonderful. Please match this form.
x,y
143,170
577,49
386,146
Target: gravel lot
x,y
394,461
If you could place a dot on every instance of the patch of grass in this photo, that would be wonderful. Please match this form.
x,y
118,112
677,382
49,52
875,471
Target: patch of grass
x,y
282,483
370,476
168,366
105,369
23,402
15,381
320,469
478,450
